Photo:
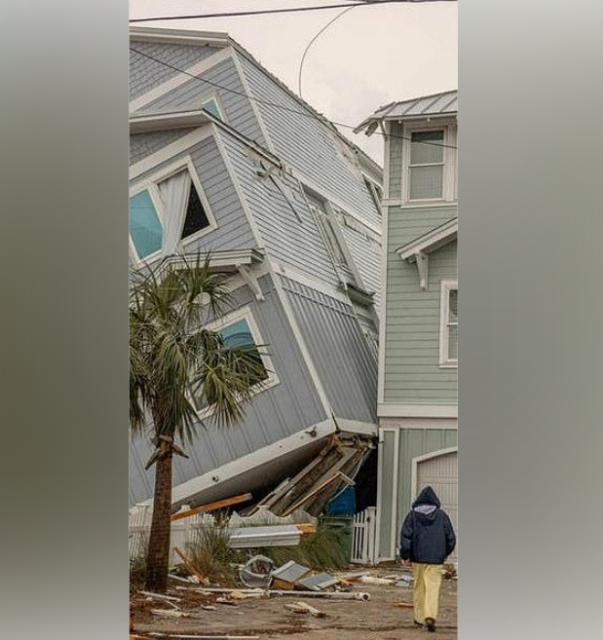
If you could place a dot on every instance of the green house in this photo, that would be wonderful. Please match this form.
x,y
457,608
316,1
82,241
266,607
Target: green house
x,y
418,358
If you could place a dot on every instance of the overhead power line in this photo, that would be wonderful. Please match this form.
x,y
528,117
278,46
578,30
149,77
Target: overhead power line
x,y
277,105
314,39
263,12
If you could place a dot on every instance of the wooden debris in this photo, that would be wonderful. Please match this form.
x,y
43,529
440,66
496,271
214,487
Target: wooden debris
x,y
212,506
304,607
186,562
169,613
405,605
154,634
335,595
374,580
160,596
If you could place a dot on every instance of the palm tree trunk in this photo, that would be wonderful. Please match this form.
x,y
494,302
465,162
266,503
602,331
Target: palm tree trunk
x,y
158,555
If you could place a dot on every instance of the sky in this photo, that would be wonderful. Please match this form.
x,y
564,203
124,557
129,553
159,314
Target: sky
x,y
369,57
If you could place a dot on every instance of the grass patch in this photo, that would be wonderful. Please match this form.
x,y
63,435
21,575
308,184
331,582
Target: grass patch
x,y
138,567
211,555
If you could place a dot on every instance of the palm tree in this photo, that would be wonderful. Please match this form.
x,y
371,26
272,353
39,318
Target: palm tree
x,y
177,365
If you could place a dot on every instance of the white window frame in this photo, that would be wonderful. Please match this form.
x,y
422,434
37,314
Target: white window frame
x,y
150,183
448,161
216,98
446,287
246,314
373,188
157,203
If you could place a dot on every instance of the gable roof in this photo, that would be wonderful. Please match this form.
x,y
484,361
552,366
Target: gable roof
x,y
221,39
430,241
436,104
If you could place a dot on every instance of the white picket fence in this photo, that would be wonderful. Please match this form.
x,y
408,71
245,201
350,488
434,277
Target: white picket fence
x,y
365,536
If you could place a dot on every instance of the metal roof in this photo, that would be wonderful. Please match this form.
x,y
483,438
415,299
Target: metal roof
x,y
435,104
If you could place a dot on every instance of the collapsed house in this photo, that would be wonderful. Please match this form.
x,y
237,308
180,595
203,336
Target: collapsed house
x,y
226,161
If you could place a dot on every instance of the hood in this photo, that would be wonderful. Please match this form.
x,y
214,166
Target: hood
x,y
427,497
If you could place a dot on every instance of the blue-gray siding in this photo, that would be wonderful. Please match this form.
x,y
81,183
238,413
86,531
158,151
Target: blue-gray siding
x,y
272,415
145,144
344,362
231,92
146,74
309,145
288,229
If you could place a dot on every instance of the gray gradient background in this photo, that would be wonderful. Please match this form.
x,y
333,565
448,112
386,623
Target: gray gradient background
x,y
531,373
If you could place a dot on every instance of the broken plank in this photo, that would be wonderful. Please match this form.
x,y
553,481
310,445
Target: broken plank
x,y
212,506
160,596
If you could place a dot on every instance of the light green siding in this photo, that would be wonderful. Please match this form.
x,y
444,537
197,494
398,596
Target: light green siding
x,y
412,444
395,161
412,371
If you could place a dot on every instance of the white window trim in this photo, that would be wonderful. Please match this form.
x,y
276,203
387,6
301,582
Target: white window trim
x,y
216,98
244,313
150,183
373,186
156,199
446,287
449,177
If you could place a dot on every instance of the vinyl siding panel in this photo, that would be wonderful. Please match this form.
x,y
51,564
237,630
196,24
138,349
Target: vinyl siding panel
x,y
343,359
275,413
413,331
307,144
290,233
237,106
145,144
146,74
233,228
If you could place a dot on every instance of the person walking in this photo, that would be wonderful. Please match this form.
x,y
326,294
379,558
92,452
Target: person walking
x,y
426,540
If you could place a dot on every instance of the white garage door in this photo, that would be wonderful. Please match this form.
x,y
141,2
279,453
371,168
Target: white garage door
x,y
441,473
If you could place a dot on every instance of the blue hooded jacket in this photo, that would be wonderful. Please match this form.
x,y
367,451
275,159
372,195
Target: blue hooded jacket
x,y
427,535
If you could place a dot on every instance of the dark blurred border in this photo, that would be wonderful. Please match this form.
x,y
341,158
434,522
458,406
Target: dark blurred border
x,y
63,253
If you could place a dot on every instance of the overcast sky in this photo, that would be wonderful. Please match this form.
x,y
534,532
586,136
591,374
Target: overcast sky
x,y
369,57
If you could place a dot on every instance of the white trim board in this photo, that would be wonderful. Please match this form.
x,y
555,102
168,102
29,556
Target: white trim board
x,y
187,490
181,78
391,410
414,424
354,426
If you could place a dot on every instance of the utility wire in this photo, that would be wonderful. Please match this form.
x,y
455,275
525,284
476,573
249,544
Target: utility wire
x,y
314,39
258,12
281,106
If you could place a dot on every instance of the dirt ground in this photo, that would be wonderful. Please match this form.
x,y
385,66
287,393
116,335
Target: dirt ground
x,y
377,619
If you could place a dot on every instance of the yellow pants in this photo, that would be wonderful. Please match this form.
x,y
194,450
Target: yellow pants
x,y
427,582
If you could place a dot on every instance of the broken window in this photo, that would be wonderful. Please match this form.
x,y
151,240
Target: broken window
x,y
376,194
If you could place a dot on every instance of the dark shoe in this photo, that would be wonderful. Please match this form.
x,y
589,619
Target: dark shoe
x,y
419,624
430,624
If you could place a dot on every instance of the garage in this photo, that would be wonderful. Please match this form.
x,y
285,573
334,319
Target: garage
x,y
440,471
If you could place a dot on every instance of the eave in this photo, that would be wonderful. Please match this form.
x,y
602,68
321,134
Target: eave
x,y
181,36
219,261
150,122
418,250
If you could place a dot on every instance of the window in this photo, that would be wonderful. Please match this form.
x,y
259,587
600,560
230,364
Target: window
x,y
146,229
449,324
376,194
169,210
332,243
213,107
241,332
426,165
